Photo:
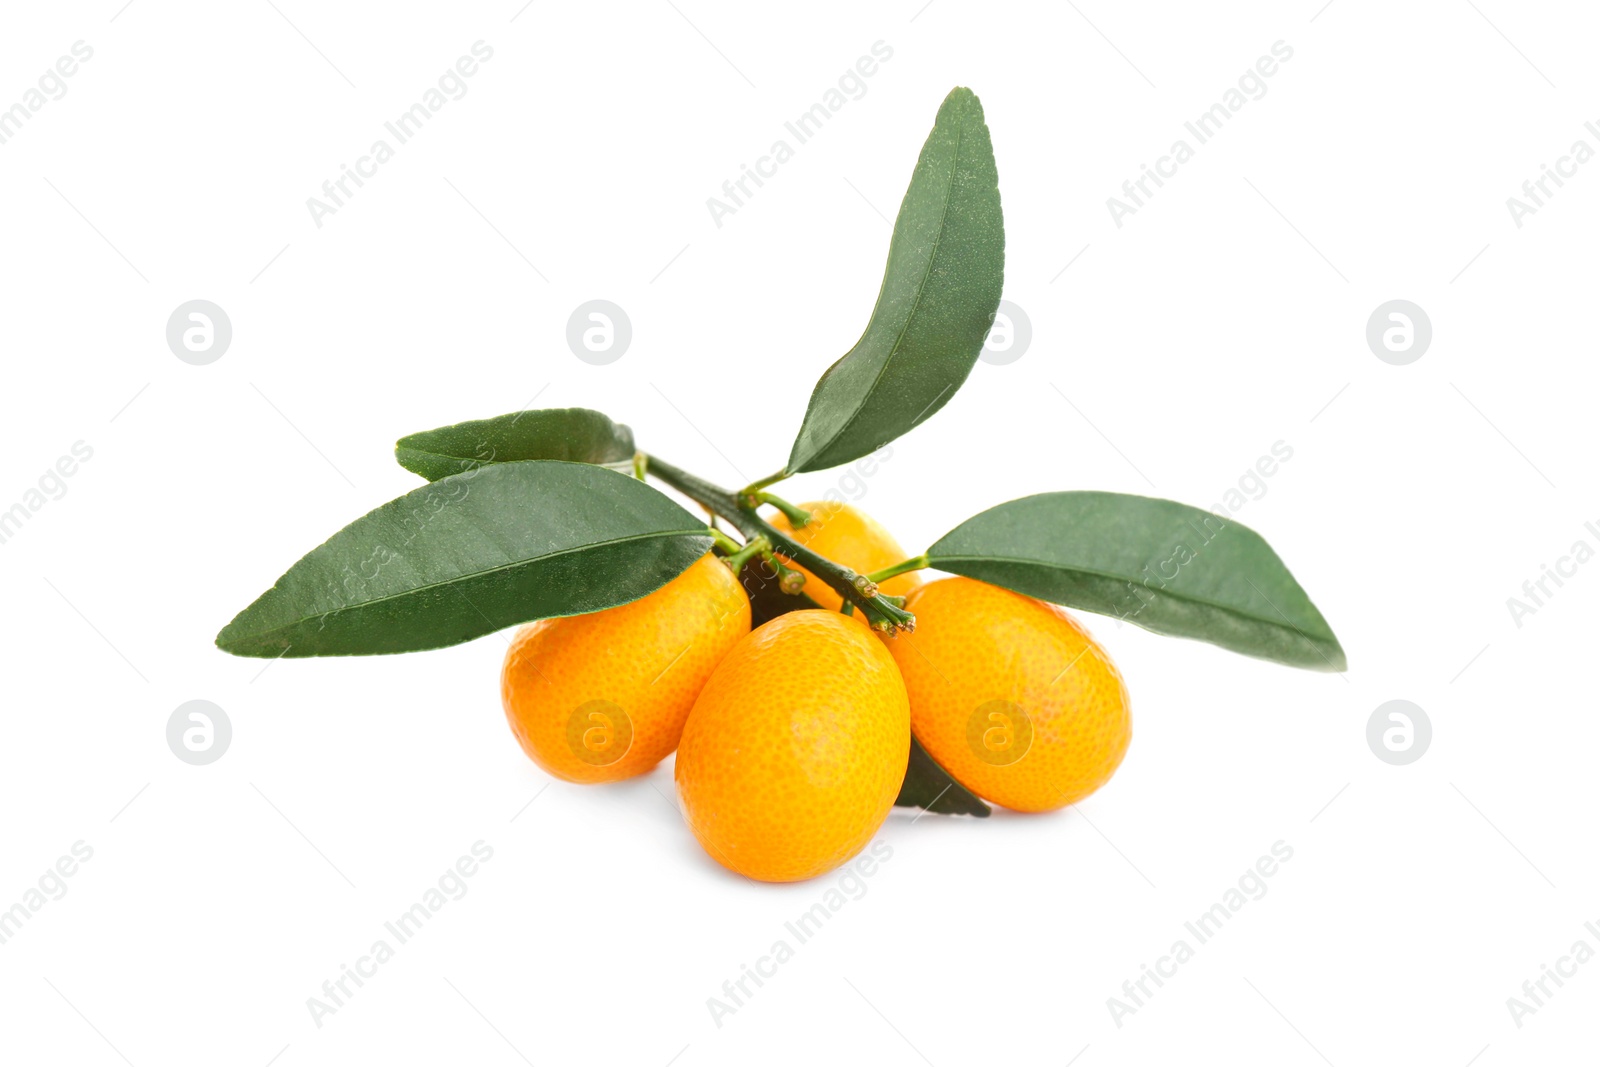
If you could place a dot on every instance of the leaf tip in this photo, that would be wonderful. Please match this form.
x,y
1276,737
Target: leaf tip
x,y
227,644
232,642
964,99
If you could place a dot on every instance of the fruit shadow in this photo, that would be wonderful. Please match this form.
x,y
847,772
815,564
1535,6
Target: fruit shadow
x,y
656,793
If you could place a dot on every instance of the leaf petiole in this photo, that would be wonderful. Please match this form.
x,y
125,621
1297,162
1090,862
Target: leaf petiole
x,y
916,563
761,483
797,516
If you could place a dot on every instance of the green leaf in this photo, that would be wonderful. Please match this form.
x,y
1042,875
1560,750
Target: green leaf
x,y
1167,567
929,786
574,434
471,554
938,301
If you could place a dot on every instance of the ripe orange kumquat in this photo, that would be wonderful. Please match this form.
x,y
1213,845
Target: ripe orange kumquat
x,y
795,751
603,696
1011,696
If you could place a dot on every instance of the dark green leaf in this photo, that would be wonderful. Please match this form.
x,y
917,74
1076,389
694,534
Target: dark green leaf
x,y
930,786
940,291
574,434
471,554
1166,567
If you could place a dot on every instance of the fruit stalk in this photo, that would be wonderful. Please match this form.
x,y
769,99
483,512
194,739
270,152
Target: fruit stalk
x,y
756,546
878,610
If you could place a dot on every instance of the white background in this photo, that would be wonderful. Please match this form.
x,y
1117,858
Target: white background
x,y
1226,315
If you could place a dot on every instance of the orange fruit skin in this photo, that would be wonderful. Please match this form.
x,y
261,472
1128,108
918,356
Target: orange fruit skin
x,y
850,537
603,696
796,749
979,654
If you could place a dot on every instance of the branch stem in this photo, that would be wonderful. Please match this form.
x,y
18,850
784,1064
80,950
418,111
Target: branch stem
x,y
855,588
